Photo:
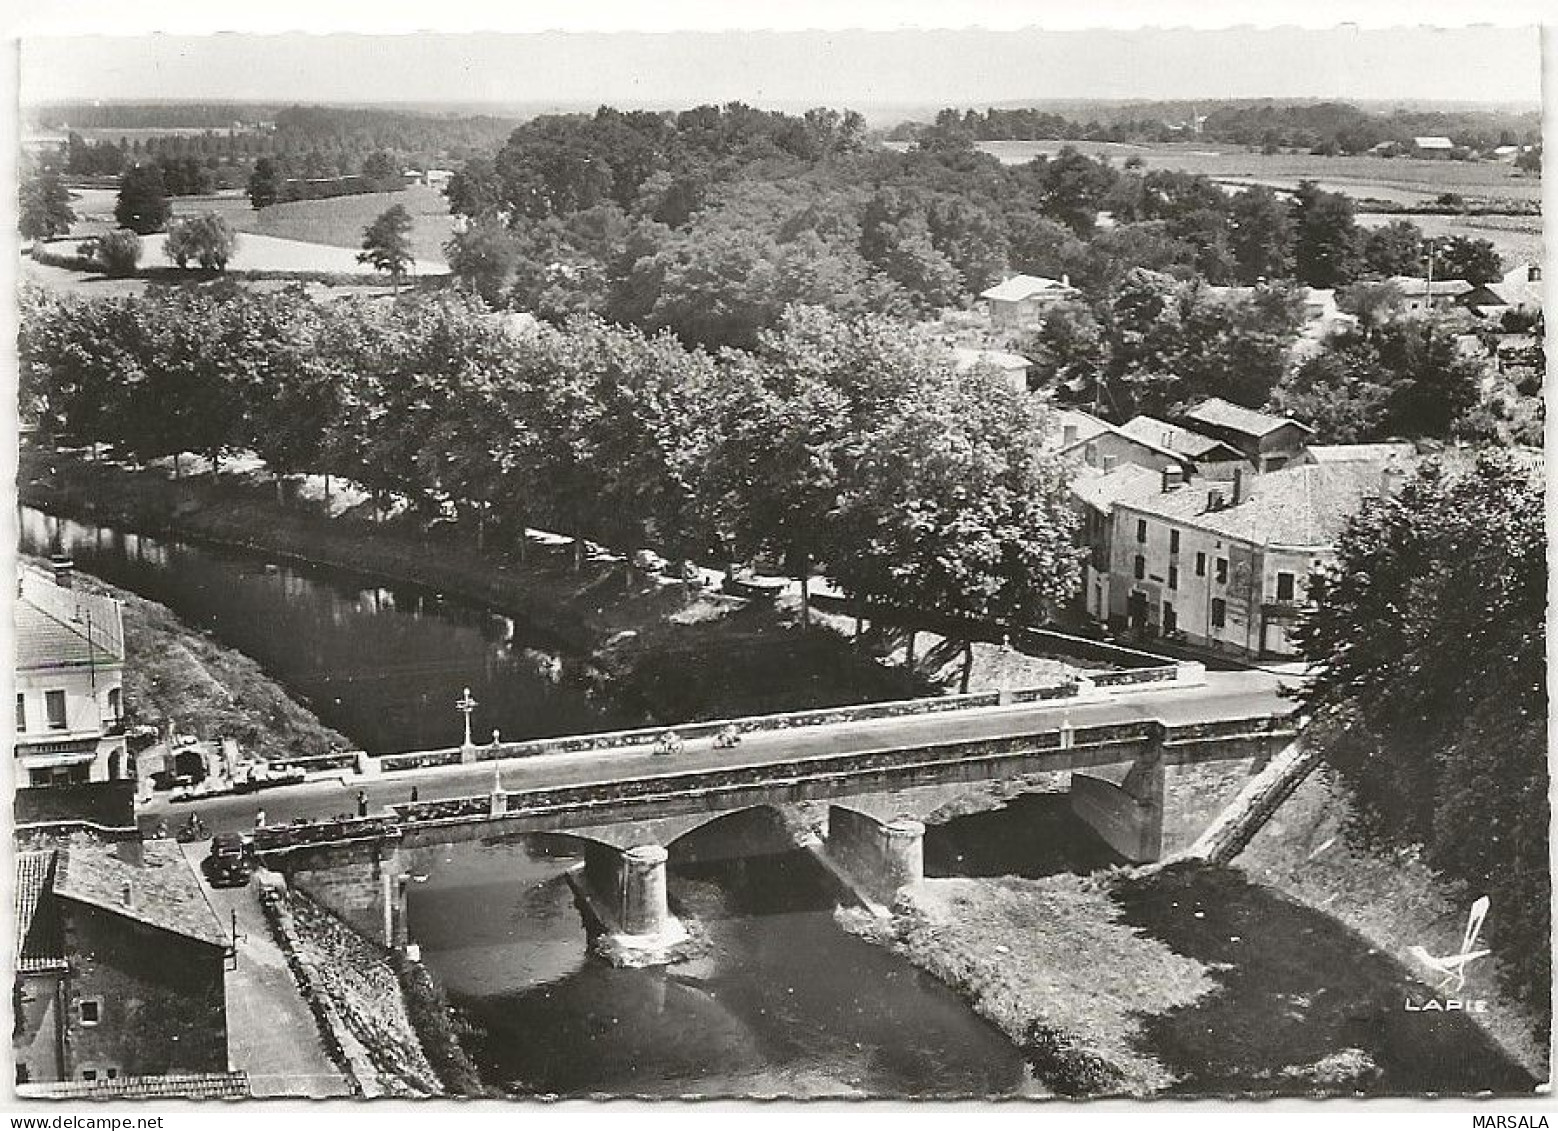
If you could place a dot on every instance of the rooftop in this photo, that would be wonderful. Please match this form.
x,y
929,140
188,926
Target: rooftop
x,y
1101,490
1433,141
1414,287
1162,434
1019,287
1086,424
1354,453
1237,418
38,948
188,1086
159,889
52,625
1302,505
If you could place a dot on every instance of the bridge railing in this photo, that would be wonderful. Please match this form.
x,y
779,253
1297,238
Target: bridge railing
x,y
273,838
813,768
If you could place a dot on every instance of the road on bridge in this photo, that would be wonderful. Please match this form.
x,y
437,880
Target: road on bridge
x,y
1226,695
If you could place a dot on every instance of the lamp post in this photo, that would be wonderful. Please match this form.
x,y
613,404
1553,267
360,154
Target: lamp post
x,y
465,705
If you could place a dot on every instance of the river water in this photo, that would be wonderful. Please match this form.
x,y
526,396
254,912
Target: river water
x,y
783,1002
382,664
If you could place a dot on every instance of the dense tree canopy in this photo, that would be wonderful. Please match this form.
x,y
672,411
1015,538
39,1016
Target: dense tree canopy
x,y
44,207
143,200
1430,690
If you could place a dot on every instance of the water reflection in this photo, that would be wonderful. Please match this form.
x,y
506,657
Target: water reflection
x,y
382,664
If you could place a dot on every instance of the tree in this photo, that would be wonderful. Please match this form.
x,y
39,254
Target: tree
x,y
44,207
1373,303
264,184
1326,243
1394,249
484,255
1428,694
118,252
386,243
209,240
143,201
1461,257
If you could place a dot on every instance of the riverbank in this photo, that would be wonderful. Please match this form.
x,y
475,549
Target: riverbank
x,y
1189,981
175,674
664,653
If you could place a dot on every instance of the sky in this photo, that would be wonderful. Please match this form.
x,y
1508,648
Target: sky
x,y
856,67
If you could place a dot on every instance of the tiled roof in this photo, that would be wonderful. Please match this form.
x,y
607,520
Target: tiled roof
x,y
1513,292
188,1086
38,947
1413,286
1103,489
52,626
1352,453
1302,505
1433,141
1019,287
1086,424
163,888
1225,414
1172,437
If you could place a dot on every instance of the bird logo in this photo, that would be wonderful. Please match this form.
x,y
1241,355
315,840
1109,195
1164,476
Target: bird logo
x,y
1453,966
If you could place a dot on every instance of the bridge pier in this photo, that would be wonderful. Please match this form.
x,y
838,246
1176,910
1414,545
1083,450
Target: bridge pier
x,y
624,892
875,857
1128,816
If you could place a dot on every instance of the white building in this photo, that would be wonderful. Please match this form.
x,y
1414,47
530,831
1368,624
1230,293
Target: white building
x,y
69,681
1012,367
1021,301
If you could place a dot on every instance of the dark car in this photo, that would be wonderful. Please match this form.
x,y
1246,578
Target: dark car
x,y
230,863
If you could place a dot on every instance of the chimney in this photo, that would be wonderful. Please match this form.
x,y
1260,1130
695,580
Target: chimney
x,y
1173,478
1065,280
1238,485
63,569
1108,462
127,896
1390,478
1068,435
1214,499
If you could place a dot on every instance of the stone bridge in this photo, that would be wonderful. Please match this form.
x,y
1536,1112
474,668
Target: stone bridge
x,y
877,798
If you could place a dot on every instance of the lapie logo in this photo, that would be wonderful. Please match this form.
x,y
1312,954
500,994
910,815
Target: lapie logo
x,y
1453,969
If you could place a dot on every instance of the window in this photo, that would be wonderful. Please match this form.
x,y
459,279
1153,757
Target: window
x,y
1222,571
1170,620
1173,577
23,1074
1284,586
54,709
1141,567
91,1010
21,712
89,1074
1173,541
113,1073
115,703
1141,530
1219,612
1200,565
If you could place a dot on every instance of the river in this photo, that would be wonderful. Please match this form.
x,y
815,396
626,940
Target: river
x,y
784,1002
382,664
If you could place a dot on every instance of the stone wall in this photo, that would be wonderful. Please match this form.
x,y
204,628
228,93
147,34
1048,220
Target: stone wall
x,y
162,1003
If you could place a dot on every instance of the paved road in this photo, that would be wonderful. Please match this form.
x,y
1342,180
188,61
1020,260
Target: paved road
x,y
1225,695
271,1032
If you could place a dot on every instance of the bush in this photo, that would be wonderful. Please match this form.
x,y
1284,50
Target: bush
x,y
118,252
438,1027
209,240
1061,1064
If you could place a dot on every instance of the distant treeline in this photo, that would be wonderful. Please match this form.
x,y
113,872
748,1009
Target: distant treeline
x,y
1338,127
308,142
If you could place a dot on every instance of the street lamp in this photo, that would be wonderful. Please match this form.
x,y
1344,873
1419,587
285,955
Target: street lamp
x,y
465,705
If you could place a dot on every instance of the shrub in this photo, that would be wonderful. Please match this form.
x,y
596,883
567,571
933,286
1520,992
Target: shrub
x,y
119,252
438,1027
1071,1070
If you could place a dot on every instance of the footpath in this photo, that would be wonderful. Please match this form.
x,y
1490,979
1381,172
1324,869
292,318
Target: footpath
x,y
271,1033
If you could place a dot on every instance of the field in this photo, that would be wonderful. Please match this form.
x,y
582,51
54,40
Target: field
x,y
1518,239
337,222
258,252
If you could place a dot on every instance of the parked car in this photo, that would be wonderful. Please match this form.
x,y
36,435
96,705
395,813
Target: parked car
x,y
230,863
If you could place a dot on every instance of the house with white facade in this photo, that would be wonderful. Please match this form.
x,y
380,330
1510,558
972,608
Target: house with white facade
x,y
69,681
1021,301
1220,564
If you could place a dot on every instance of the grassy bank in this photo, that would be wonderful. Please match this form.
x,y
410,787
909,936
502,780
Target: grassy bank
x,y
667,655
175,674
1190,981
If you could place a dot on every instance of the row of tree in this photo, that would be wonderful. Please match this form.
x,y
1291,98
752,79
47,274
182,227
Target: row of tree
x,y
848,442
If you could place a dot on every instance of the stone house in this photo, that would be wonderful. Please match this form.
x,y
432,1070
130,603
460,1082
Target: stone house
x,y
1268,442
120,965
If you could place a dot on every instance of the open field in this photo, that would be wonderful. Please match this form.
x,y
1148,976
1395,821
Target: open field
x,y
1405,180
337,222
268,253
